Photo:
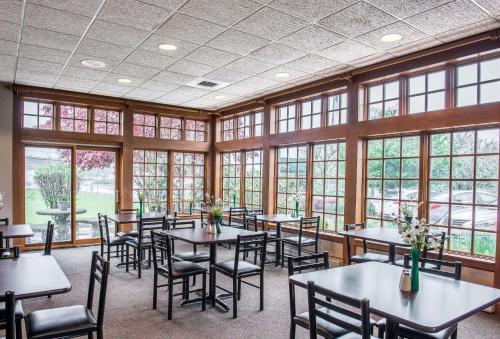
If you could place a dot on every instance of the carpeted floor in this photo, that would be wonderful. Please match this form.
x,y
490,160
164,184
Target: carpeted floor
x,y
129,312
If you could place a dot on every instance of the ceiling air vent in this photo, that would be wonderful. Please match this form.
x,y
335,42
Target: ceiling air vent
x,y
209,84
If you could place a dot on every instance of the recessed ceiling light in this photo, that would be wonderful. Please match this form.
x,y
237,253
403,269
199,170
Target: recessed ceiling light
x,y
391,37
93,63
124,81
282,75
167,47
219,97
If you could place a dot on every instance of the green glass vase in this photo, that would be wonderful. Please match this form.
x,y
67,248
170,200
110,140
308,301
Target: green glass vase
x,y
234,200
141,208
415,255
297,209
218,225
190,208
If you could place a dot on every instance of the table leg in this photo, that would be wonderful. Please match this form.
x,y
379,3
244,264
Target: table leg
x,y
392,253
278,243
392,328
212,294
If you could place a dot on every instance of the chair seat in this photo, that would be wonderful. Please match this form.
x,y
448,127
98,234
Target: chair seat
x,y
182,269
134,242
59,322
295,241
327,329
352,335
244,267
408,332
401,263
367,257
271,235
133,234
18,311
192,256
120,240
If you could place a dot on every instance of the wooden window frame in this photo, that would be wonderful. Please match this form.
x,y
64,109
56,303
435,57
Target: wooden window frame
x,y
195,131
107,122
169,128
194,177
73,119
426,92
53,116
143,125
311,101
400,98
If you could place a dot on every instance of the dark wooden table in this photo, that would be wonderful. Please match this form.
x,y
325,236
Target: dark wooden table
x,y
15,231
439,303
383,235
199,236
33,276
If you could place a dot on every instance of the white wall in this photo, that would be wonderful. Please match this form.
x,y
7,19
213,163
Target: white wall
x,y
6,108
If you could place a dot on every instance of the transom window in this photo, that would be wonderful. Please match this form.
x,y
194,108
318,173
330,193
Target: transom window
x,y
195,130
189,179
337,109
286,118
478,83
383,100
38,115
231,177
74,119
463,188
328,184
426,92
144,126
292,178
107,122
310,114
170,128
243,125
258,124
150,175
392,176
228,129
253,179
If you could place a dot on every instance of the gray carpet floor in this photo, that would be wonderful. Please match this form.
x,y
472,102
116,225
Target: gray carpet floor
x,y
129,312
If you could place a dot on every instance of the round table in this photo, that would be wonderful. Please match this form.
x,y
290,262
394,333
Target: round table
x,y
61,218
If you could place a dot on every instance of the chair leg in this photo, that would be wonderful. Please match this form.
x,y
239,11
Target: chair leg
x,y
19,329
212,288
139,263
204,291
454,335
194,280
282,254
170,297
155,290
292,330
100,335
261,290
108,254
127,258
239,288
235,296
135,259
187,288
90,335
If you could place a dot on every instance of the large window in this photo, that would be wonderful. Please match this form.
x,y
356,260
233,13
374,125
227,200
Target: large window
x,y
292,174
243,126
170,128
392,176
144,126
286,118
337,109
426,92
228,129
383,100
310,114
253,179
150,170
231,177
463,188
478,83
39,115
328,184
74,119
107,122
195,130
189,180
258,124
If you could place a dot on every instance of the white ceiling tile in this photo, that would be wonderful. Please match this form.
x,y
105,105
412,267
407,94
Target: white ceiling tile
x,y
168,4
492,6
347,51
439,20
8,61
68,81
190,68
116,34
136,70
7,74
9,31
293,74
357,19
10,11
408,33
112,78
312,38
114,88
143,93
44,38
55,20
222,12
406,8
311,63
237,42
84,73
77,58
277,53
44,54
8,47
33,77
211,56
185,93
134,14
102,49
468,30
39,66
270,24
173,78
227,75
236,90
183,47
249,66
159,86
86,7
310,10
190,29
145,58
258,83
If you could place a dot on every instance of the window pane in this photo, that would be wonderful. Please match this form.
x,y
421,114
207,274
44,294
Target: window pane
x,y
466,74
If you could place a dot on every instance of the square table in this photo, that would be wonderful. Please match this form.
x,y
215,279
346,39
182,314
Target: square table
x,y
199,236
32,276
15,231
439,303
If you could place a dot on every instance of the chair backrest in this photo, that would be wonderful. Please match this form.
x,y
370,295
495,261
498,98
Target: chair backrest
x,y
354,227
321,307
127,210
99,271
251,222
236,212
162,249
180,224
9,252
308,262
1,239
255,243
4,221
9,319
442,240
49,236
147,224
455,273
310,224
103,228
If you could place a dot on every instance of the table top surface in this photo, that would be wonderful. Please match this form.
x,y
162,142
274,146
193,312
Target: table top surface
x,y
439,303
56,211
32,276
278,218
132,218
378,234
17,231
200,236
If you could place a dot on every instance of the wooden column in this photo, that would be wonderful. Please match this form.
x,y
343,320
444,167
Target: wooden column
x,y
268,185
127,157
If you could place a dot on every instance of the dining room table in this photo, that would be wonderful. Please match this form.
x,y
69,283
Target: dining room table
x,y
199,236
33,276
439,303
15,231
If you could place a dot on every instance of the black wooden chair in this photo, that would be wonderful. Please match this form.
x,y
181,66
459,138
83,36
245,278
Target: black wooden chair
x,y
142,243
203,218
174,271
339,314
8,319
301,242
237,213
452,270
108,242
238,269
195,255
365,256
249,218
77,320
442,240
131,233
